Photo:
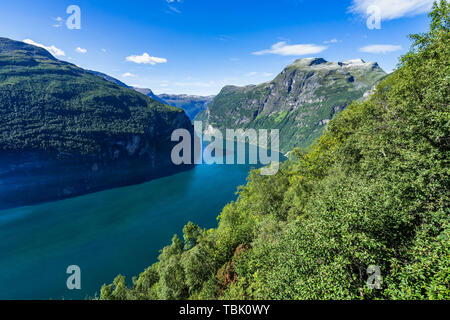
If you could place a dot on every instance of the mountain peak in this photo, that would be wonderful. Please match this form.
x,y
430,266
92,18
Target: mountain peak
x,y
322,64
12,47
300,101
354,62
358,63
308,62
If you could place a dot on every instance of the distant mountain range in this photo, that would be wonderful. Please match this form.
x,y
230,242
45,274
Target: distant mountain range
x,y
149,93
299,102
192,105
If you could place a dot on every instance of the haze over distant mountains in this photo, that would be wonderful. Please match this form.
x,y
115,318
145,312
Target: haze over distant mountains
x,y
149,93
192,105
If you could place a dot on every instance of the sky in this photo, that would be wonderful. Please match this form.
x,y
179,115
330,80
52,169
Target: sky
x,y
199,46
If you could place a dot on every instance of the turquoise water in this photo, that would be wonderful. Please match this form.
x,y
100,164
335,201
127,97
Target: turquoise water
x,y
119,231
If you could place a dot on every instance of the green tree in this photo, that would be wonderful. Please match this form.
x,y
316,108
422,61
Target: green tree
x,y
172,284
191,232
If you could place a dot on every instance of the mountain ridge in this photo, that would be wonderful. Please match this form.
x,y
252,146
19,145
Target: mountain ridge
x,y
149,93
109,78
299,101
191,104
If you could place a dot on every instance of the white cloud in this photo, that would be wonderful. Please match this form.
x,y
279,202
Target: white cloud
x,y
380,48
392,9
145,59
173,9
331,41
283,49
80,50
103,50
127,75
261,74
52,49
251,74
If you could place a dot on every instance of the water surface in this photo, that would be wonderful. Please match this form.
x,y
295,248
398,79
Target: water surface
x,y
118,231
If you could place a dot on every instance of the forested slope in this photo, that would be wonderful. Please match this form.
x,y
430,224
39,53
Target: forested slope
x,y
65,131
54,106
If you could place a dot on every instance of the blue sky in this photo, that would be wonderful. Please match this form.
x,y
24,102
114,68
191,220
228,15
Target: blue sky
x,y
198,46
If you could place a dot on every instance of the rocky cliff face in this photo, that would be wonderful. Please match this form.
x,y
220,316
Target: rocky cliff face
x,y
66,132
299,102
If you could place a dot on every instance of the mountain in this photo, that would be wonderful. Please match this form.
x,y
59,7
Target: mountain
x,y
149,93
299,102
192,105
144,91
65,131
109,78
